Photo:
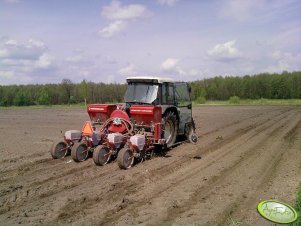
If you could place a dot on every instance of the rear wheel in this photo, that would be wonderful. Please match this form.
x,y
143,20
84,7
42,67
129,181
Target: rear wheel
x,y
59,149
125,158
170,128
79,152
101,155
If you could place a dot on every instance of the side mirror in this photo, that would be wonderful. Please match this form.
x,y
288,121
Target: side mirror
x,y
189,88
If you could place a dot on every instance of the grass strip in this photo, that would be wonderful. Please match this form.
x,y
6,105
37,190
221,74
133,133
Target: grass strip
x,y
261,102
298,208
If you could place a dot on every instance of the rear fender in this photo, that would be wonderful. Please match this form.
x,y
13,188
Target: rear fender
x,y
172,109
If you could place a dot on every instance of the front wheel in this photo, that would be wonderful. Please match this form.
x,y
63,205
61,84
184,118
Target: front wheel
x,y
101,155
79,152
59,149
193,138
191,135
125,158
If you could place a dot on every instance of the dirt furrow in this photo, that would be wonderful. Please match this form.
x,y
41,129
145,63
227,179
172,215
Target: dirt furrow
x,y
191,184
257,169
214,180
281,183
164,171
175,180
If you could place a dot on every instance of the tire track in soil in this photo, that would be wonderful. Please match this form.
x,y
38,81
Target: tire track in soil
x,y
259,184
162,172
275,147
193,172
49,186
290,139
10,160
138,189
15,201
31,164
39,166
216,144
110,173
233,123
41,162
283,111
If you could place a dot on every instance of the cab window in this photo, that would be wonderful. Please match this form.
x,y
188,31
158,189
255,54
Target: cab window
x,y
182,94
167,94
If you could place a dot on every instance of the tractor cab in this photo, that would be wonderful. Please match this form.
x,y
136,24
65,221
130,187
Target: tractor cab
x,y
157,91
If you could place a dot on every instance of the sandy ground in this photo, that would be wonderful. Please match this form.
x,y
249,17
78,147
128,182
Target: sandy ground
x,y
244,155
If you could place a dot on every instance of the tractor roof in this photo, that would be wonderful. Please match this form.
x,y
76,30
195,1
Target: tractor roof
x,y
149,79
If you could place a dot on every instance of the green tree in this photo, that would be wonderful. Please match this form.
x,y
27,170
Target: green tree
x,y
44,98
21,99
67,87
83,88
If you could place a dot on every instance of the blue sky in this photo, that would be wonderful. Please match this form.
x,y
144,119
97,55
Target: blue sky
x,y
106,41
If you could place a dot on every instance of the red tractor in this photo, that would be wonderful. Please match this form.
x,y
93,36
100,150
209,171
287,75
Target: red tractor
x,y
156,112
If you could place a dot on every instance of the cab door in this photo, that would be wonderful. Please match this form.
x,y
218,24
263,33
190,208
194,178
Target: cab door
x,y
183,103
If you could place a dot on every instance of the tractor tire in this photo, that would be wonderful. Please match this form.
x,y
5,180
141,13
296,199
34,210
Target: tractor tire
x,y
170,123
101,155
125,158
59,149
79,152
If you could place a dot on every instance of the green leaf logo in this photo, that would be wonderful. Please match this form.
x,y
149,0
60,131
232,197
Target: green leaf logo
x,y
278,212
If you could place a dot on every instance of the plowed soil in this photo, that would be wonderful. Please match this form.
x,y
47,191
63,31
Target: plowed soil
x,y
245,154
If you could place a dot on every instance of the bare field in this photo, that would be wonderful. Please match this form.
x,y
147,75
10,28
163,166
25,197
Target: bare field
x,y
245,154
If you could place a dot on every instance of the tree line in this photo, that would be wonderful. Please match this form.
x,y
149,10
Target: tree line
x,y
286,85
66,92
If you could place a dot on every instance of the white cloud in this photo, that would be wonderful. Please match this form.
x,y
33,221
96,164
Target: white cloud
x,y
36,43
129,70
78,56
44,61
112,29
84,73
14,50
16,62
11,42
192,74
74,59
291,33
167,2
169,64
181,73
3,53
109,60
20,61
284,61
115,11
225,51
241,10
6,74
121,16
11,1
277,55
